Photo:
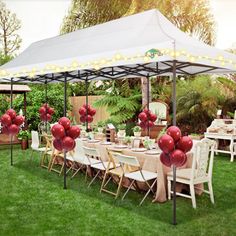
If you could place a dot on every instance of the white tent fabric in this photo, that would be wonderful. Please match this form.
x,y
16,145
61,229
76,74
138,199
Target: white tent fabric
x,y
121,42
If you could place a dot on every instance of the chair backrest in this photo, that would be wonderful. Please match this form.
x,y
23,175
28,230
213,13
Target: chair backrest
x,y
128,160
159,108
79,150
91,152
203,158
35,139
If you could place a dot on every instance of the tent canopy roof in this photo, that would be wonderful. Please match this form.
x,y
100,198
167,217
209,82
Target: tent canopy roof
x,y
138,45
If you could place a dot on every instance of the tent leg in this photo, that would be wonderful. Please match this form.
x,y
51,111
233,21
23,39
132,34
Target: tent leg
x,y
46,101
174,93
174,195
11,107
148,101
86,93
64,113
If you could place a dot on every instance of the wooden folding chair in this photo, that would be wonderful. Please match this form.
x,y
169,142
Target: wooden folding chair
x,y
112,171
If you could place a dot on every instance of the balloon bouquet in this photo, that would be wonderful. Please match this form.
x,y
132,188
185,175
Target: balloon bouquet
x,y
174,147
64,135
11,123
147,119
45,113
86,113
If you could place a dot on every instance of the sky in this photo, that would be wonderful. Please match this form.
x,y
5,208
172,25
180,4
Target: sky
x,y
42,19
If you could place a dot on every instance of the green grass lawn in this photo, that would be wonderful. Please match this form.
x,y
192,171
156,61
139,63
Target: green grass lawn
x,y
33,202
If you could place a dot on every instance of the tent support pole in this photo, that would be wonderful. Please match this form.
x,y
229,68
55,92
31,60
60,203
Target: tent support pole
x,y
86,101
174,93
26,123
148,101
174,195
64,114
11,108
46,101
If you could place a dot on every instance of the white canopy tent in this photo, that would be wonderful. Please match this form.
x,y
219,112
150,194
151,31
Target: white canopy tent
x,y
145,44
138,45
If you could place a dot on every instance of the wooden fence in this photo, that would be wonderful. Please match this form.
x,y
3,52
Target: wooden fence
x,y
77,102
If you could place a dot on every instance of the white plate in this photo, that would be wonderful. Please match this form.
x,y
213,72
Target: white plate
x,y
120,146
138,149
153,152
106,143
93,141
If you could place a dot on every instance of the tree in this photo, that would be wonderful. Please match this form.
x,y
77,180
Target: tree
x,y
191,16
85,13
9,25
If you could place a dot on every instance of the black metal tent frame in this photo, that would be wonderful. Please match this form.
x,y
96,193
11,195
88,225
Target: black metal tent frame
x,y
148,70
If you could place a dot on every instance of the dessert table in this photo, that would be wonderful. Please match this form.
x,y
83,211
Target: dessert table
x,y
224,136
147,161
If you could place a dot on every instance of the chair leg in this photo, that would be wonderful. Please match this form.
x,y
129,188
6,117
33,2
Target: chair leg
x,y
192,192
169,189
62,167
94,178
119,187
103,181
211,191
76,172
128,189
149,190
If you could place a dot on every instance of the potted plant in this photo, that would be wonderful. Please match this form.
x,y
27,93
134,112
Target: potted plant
x,y
127,140
23,136
137,131
101,126
121,129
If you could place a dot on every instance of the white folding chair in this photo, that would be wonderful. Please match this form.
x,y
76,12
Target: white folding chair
x,y
35,145
139,175
80,157
96,162
199,173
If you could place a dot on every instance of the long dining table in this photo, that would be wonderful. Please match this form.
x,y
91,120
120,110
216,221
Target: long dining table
x,y
150,162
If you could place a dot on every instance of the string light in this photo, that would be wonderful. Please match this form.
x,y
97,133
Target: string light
x,y
102,62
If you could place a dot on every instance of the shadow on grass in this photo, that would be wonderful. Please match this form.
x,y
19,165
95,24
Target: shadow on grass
x,y
158,212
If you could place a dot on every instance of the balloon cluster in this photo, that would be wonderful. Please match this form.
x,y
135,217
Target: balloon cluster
x,y
11,122
147,119
64,135
174,147
46,112
84,110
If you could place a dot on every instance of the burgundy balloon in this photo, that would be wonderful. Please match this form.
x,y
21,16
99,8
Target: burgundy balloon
x,y
73,132
57,143
42,110
166,143
178,158
92,112
65,122
11,113
142,124
46,105
174,132
142,116
146,111
89,119
19,120
13,129
58,131
5,130
86,106
152,117
50,111
6,119
165,159
68,143
83,119
82,111
185,144
149,124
